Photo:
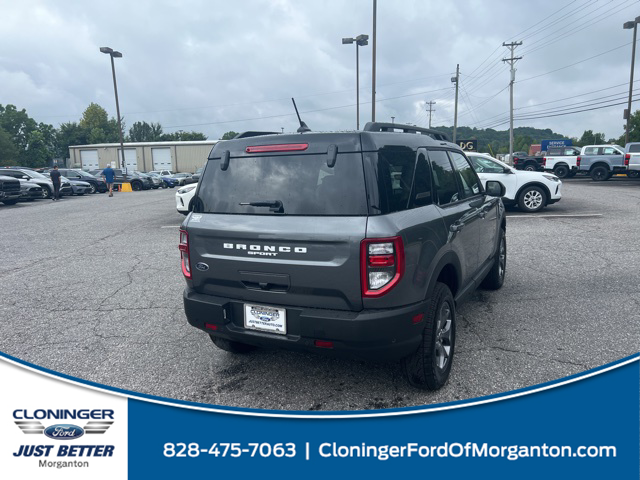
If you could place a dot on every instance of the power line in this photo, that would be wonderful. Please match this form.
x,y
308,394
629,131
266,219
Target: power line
x,y
576,63
560,114
571,32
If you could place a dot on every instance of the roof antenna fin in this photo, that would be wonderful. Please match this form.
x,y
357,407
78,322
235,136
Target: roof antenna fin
x,y
303,126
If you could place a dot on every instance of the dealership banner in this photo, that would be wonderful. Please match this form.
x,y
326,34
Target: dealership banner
x,y
56,426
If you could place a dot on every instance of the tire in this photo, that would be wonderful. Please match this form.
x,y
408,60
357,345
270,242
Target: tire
x,y
92,188
532,199
46,193
599,174
495,277
530,167
231,346
561,171
10,202
164,185
633,174
428,368
136,186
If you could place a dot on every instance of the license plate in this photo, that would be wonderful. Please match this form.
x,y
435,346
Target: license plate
x,y
265,319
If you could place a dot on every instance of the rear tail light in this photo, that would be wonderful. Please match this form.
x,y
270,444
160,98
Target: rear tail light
x,y
515,160
381,265
184,253
544,162
627,157
578,161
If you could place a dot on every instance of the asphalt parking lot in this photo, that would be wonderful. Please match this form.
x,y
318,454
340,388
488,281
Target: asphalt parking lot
x,y
91,287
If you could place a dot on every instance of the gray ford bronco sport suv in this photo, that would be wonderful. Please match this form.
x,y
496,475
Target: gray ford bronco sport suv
x,y
356,243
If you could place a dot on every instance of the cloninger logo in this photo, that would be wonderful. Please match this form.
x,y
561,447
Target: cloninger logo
x,y
31,425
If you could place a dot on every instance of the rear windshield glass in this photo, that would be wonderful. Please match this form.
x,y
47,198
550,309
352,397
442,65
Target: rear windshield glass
x,y
634,148
288,184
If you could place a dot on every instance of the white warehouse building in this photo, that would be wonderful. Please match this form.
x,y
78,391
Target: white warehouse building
x,y
143,156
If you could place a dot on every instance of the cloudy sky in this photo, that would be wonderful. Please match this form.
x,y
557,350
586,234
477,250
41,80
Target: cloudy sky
x,y
214,66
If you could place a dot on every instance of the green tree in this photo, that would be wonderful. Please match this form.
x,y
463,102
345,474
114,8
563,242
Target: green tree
x,y
100,128
8,151
18,125
182,136
145,132
229,135
68,134
38,153
590,138
634,129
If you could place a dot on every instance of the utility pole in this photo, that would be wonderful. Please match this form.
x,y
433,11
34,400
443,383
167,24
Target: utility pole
x,y
627,113
431,104
456,80
512,60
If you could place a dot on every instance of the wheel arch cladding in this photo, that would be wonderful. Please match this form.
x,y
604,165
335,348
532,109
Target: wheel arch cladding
x,y
448,272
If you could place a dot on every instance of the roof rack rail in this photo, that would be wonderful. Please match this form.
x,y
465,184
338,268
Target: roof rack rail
x,y
398,127
252,133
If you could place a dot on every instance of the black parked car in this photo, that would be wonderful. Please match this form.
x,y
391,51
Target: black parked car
x,y
359,243
96,184
9,189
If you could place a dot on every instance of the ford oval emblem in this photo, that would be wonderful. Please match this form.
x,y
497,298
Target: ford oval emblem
x,y
63,432
203,267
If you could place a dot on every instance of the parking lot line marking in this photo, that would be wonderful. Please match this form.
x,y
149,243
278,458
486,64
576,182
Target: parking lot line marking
x,y
563,216
170,226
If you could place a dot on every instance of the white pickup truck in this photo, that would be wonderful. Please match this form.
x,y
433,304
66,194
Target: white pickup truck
x,y
562,161
632,158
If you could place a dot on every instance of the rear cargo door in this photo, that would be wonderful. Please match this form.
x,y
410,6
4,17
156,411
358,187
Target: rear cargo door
x,y
281,230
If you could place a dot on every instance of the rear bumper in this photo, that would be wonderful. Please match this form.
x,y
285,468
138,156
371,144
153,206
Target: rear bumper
x,y
380,335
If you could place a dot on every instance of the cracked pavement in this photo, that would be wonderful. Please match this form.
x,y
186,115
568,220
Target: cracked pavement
x,y
91,287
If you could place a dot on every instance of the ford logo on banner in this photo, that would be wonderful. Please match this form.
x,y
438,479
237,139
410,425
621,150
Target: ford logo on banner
x,y
63,432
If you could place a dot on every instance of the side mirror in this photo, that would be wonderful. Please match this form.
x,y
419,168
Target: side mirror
x,y
495,189
507,170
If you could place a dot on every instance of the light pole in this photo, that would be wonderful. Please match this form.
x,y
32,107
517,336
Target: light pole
x,y
113,53
627,114
360,41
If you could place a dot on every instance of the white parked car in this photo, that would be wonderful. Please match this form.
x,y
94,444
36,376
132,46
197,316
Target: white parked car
x,y
531,191
184,195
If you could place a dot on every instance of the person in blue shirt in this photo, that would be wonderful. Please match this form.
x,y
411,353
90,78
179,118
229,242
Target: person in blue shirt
x,y
108,174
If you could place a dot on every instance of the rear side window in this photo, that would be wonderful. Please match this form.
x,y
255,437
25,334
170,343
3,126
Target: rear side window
x,y
422,183
444,178
303,184
591,151
395,167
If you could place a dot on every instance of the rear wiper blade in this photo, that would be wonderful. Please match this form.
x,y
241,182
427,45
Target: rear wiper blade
x,y
274,205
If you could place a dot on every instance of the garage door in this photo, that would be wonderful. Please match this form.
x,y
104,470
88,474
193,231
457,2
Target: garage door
x,y
130,158
161,158
89,159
